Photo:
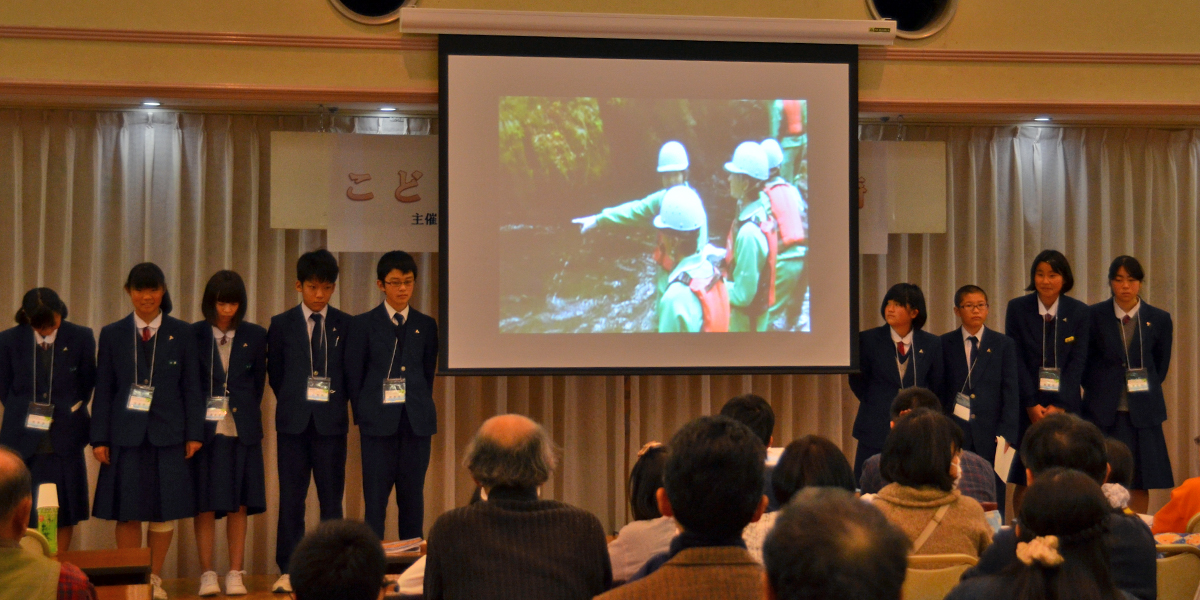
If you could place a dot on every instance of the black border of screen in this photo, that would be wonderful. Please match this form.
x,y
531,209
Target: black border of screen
x,y
491,45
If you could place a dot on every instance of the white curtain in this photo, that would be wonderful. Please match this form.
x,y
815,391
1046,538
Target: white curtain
x,y
85,195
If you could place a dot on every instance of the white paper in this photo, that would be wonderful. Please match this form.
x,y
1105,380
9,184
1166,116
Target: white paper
x,y
1004,459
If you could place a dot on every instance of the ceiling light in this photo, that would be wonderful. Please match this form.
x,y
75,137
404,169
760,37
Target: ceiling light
x,y
388,109
151,103
1042,119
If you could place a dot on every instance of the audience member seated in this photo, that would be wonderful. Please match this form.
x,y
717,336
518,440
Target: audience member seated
x,y
1067,441
754,412
811,461
25,575
1120,473
650,533
339,560
712,485
978,477
1060,554
921,459
412,580
514,544
859,555
1173,517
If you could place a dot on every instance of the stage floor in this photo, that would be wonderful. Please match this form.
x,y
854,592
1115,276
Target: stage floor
x,y
259,587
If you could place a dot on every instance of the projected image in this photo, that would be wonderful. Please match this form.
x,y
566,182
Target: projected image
x,y
630,215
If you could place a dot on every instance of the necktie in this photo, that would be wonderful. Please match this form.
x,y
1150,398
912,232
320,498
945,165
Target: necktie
x,y
145,334
974,349
1049,317
224,339
900,349
45,345
398,319
317,342
1125,320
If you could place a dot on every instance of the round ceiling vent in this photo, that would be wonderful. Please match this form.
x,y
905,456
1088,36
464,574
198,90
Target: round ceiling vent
x,y
915,19
371,12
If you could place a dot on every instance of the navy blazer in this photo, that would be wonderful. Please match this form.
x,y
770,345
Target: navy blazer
x,y
1023,324
1104,377
878,380
73,380
368,357
994,388
289,369
176,413
247,377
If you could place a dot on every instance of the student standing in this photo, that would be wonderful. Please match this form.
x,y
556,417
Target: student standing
x,y
982,390
391,359
304,360
1051,331
892,357
1128,357
47,372
230,478
147,419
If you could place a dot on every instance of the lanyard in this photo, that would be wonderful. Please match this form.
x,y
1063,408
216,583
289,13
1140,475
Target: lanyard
x,y
324,344
971,367
1125,344
137,350
213,365
50,389
1055,341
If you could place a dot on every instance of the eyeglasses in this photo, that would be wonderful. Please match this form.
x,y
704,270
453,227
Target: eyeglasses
x,y
974,307
400,284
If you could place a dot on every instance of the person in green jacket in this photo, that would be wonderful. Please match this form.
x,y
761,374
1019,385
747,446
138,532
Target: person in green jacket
x,y
681,309
749,262
791,278
673,170
789,124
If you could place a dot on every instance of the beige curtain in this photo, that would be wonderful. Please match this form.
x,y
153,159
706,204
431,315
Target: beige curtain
x,y
85,195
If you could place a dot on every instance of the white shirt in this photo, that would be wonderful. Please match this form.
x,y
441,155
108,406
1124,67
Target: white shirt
x,y
967,342
906,339
217,333
308,316
153,325
37,337
1052,310
392,312
1132,313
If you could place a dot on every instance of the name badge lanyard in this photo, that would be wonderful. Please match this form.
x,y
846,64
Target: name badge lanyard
x,y
319,387
962,402
911,352
40,415
1136,380
324,344
1055,350
393,389
140,396
218,406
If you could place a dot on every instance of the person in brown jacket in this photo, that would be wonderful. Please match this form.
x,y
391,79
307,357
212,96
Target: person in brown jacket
x,y
712,485
920,458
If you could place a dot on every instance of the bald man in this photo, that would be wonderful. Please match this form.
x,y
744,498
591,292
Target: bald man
x,y
515,544
26,575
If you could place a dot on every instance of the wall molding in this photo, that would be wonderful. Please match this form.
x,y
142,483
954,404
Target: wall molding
x,y
250,93
423,43
1020,107
889,54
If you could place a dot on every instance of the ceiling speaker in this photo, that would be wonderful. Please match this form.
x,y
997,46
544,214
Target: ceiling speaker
x,y
915,19
371,12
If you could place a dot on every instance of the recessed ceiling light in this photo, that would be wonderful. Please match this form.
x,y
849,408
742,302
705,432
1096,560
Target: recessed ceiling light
x,y
1042,119
151,103
388,109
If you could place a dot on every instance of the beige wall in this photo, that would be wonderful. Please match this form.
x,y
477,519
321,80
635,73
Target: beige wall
x,y
1104,26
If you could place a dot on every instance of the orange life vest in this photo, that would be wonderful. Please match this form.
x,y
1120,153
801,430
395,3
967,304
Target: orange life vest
x,y
793,115
713,297
764,297
785,207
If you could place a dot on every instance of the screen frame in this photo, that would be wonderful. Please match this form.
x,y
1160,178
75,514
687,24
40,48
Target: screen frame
x,y
683,50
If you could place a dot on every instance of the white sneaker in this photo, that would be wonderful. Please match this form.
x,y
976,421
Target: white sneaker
x,y
159,592
234,585
208,584
283,585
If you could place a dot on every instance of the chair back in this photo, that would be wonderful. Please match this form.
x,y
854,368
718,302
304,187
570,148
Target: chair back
x,y
932,576
1178,571
1193,525
34,541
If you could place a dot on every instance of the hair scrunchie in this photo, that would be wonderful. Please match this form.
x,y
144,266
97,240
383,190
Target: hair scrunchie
x,y
1042,549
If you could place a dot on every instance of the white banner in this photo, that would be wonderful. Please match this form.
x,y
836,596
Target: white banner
x,y
383,193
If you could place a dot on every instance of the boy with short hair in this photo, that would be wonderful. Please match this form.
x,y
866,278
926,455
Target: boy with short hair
x,y
391,359
304,362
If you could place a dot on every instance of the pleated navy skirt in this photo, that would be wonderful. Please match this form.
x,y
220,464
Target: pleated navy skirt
x,y
145,483
69,475
1151,461
230,475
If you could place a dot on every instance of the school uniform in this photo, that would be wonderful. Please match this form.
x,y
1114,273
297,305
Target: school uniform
x,y
1117,345
60,370
148,477
395,435
311,441
1047,337
985,372
883,371
229,467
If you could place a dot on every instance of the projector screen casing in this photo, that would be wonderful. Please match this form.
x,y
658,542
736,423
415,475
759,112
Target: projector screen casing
x,y
472,343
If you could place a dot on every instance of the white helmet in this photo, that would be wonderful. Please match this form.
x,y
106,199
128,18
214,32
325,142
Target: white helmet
x,y
681,210
672,157
749,159
774,152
